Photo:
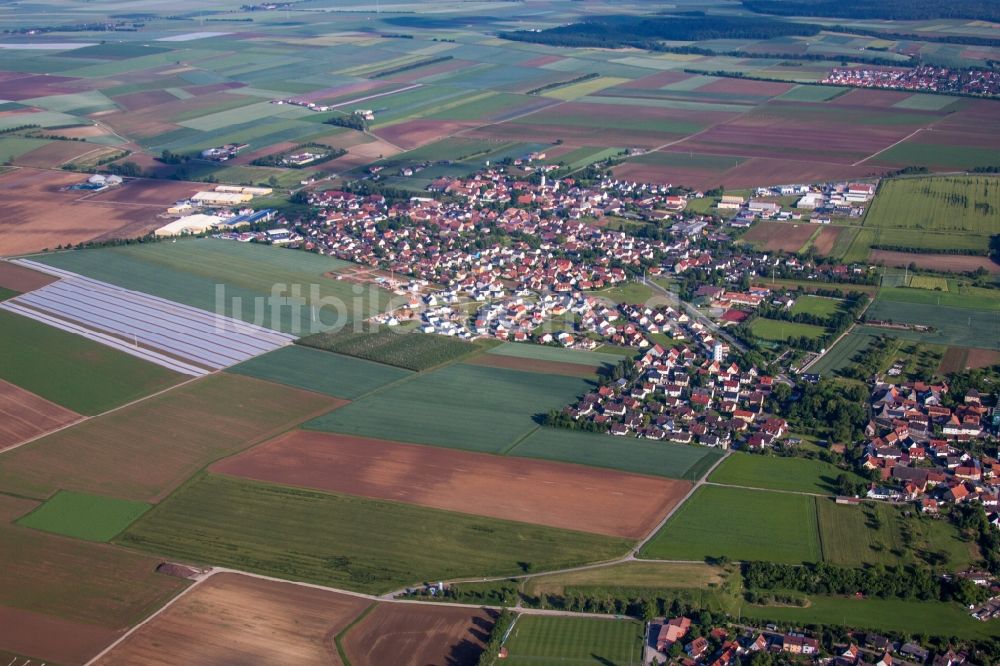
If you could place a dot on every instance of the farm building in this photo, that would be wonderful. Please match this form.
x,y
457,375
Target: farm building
x,y
221,198
243,189
190,224
730,202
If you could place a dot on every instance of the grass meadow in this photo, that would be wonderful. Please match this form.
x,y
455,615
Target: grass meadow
x,y
741,525
778,473
84,516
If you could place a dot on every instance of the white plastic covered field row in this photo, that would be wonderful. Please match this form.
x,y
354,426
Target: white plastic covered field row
x,y
180,337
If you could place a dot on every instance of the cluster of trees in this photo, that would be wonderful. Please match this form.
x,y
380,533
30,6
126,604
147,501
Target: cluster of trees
x,y
877,581
491,653
18,128
560,84
413,65
893,10
352,121
973,519
646,32
870,360
894,247
170,157
838,410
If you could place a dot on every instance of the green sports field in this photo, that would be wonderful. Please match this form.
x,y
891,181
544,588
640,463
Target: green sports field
x,y
84,516
323,372
742,525
879,533
72,371
573,641
816,305
778,473
233,278
779,331
348,542
643,456
459,406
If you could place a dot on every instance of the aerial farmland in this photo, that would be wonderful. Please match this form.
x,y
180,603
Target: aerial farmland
x,y
473,333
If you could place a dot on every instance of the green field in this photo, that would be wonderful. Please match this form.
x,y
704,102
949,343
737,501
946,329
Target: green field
x,y
633,293
548,353
196,272
780,473
952,212
643,456
459,406
72,371
413,351
843,353
933,618
348,542
741,525
962,327
973,298
90,517
880,533
779,331
816,305
314,370
551,641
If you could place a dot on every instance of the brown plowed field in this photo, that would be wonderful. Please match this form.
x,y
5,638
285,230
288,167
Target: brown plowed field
x,y
827,238
147,449
50,638
657,80
37,214
412,635
780,236
149,193
144,99
57,153
761,171
16,86
877,98
747,87
533,365
954,263
982,358
235,619
413,133
24,415
534,491
22,279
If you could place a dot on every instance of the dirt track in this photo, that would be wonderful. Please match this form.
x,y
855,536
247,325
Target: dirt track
x,y
535,491
411,635
233,619
24,415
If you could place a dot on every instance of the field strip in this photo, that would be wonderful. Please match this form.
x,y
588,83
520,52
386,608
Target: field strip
x,y
104,339
767,490
876,154
383,94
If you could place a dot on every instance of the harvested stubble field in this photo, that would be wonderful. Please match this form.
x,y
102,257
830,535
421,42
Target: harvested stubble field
x,y
629,576
413,351
532,491
364,544
642,456
72,371
76,594
236,619
742,525
145,450
408,635
38,214
780,236
459,406
24,415
22,279
948,263
324,372
531,365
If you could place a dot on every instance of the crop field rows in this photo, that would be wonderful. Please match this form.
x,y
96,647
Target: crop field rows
x,y
181,338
